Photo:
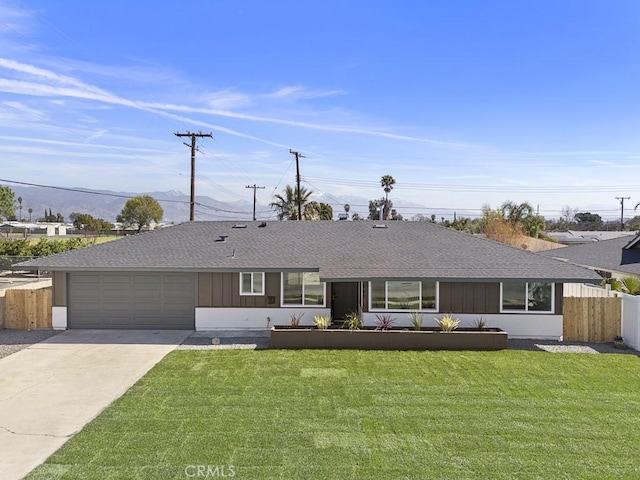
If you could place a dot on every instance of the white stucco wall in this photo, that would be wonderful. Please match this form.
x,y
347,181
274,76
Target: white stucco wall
x,y
540,326
59,318
517,326
208,319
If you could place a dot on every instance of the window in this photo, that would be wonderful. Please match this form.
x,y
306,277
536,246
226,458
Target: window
x,y
398,295
302,289
527,297
252,283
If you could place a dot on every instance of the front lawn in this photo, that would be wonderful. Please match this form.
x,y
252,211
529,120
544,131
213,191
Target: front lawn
x,y
371,415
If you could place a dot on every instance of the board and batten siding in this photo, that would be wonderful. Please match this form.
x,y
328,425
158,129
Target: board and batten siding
x,y
481,298
222,289
471,297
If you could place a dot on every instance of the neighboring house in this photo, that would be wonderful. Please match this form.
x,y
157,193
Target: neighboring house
x,y
578,237
618,257
252,275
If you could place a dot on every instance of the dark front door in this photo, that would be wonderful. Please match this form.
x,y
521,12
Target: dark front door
x,y
344,299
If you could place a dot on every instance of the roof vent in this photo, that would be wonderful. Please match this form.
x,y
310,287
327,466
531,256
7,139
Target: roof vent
x,y
240,225
222,238
379,225
262,225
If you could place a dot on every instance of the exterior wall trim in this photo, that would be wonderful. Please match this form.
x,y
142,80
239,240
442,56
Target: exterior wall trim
x,y
211,319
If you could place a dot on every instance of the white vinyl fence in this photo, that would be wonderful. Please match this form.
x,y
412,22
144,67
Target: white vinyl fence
x,y
631,321
582,290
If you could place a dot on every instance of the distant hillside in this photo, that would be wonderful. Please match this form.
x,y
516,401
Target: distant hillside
x,y
175,204
107,204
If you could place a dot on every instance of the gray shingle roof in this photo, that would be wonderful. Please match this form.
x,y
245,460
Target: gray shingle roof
x,y
339,250
604,255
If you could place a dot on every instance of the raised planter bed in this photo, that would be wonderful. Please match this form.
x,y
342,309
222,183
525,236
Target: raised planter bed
x,y
395,339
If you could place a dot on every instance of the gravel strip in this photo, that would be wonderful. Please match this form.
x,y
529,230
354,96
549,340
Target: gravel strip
x,y
199,342
554,346
12,341
225,341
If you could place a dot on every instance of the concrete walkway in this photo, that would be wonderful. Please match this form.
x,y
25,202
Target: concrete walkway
x,y
50,390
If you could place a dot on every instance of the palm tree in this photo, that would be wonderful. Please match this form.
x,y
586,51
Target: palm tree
x,y
30,212
286,205
387,182
20,207
516,213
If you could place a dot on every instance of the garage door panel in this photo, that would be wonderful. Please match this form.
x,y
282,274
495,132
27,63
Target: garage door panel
x,y
131,300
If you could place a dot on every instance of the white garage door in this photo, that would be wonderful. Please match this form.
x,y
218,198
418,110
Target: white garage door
x,y
131,300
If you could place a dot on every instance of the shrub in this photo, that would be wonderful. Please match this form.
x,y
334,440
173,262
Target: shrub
x,y
322,321
480,323
416,319
353,321
295,319
448,323
43,247
384,321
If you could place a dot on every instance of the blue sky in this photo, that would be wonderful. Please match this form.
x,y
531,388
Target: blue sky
x,y
463,102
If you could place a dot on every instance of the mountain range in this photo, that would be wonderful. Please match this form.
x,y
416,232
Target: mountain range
x,y
107,204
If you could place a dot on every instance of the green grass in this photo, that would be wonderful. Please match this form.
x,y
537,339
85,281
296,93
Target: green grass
x,y
369,415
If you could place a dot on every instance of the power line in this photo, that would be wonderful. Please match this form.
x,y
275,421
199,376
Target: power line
x,y
278,184
79,190
255,187
192,203
477,188
117,195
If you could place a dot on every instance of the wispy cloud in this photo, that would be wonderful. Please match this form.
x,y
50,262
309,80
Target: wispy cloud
x,y
95,135
14,20
226,99
26,110
127,148
299,92
67,86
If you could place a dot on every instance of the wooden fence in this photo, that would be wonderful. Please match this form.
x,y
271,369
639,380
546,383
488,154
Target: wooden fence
x,y
27,309
591,319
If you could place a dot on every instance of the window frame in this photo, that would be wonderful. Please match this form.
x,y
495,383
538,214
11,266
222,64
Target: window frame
x,y
386,297
526,310
252,293
299,305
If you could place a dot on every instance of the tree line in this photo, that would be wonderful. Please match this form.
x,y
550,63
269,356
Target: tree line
x,y
138,212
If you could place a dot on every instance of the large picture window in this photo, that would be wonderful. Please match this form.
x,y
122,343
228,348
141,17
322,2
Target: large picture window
x,y
403,295
252,283
527,297
303,289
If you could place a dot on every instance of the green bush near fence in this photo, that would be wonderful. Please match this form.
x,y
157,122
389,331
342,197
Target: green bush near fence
x,y
14,251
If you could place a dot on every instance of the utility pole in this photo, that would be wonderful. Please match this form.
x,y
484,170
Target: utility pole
x,y
622,199
255,187
299,201
194,148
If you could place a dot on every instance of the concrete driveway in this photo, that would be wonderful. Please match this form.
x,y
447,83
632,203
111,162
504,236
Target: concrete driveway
x,y
50,390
